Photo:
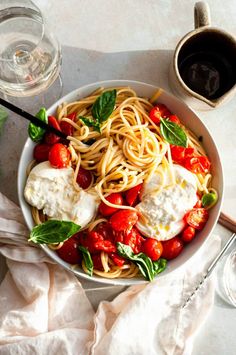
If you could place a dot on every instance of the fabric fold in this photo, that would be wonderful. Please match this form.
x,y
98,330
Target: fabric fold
x,y
44,308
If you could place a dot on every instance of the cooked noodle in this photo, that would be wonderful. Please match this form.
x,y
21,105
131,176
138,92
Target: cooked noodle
x,y
126,153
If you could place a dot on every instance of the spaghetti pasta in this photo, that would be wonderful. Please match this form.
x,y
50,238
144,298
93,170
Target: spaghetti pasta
x,y
125,153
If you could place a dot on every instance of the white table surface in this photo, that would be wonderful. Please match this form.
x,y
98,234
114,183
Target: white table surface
x,y
134,39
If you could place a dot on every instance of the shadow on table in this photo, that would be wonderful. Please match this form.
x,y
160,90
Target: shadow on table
x,y
82,66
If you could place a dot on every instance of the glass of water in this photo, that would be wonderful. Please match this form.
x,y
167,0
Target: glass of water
x,y
30,55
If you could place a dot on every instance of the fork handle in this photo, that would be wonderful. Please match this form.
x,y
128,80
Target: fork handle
x,y
227,221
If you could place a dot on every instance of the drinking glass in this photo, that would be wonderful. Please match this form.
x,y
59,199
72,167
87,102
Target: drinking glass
x,y
226,278
30,55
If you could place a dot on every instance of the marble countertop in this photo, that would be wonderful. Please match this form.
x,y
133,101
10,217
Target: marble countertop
x,y
109,39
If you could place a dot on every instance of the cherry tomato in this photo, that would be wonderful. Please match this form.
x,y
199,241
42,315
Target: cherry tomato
x,y
198,204
97,262
180,153
132,195
177,153
152,248
197,217
66,127
105,230
134,240
49,137
116,199
158,112
84,178
41,152
123,220
174,118
172,248
188,234
69,251
88,240
59,156
105,245
118,260
197,164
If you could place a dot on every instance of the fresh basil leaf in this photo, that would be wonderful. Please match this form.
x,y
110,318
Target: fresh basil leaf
x,y
173,133
90,123
87,259
104,105
53,231
159,265
36,133
3,118
147,267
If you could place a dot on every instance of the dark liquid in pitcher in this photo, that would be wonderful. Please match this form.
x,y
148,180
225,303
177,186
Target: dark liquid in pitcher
x,y
207,64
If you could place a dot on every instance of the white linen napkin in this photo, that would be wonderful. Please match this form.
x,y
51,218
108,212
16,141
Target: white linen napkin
x,y
44,309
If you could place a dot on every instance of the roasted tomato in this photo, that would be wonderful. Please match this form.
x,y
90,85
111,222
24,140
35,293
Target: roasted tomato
x,y
172,248
123,220
59,156
132,195
115,199
188,234
97,262
84,178
118,260
49,137
197,218
158,112
134,239
152,248
41,152
69,251
174,118
197,164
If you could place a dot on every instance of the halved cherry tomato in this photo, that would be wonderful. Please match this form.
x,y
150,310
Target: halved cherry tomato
x,y
197,217
69,251
59,156
123,220
84,178
116,199
41,152
188,234
52,138
118,260
134,240
158,112
132,195
66,127
174,118
152,248
97,262
179,154
172,248
197,164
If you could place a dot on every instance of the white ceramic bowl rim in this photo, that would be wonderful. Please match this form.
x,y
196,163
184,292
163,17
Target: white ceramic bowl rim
x,y
189,118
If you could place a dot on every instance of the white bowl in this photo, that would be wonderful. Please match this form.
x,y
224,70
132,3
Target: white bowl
x,y
190,119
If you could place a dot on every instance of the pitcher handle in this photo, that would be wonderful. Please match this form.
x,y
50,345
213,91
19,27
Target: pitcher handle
x,y
202,16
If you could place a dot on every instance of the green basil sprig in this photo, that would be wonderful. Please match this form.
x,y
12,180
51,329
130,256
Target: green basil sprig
x,y
101,110
36,133
87,259
53,231
91,123
148,268
3,118
173,133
